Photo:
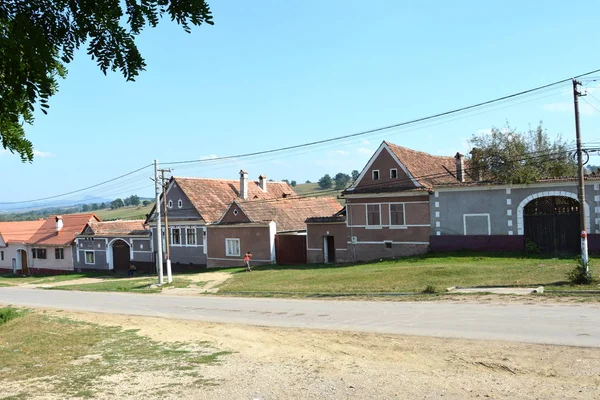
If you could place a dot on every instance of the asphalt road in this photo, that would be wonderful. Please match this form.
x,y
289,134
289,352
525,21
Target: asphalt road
x,y
576,325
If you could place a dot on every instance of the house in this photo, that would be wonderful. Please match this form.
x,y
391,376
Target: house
x,y
115,246
273,230
52,245
387,208
193,204
13,249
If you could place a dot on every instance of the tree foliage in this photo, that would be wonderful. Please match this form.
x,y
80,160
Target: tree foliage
x,y
293,183
325,182
355,175
38,38
508,156
341,180
117,203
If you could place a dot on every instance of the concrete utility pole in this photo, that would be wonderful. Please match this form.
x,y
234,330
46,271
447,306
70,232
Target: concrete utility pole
x,y
581,181
167,234
159,256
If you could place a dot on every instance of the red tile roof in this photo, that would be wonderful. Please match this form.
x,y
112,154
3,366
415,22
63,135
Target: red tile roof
x,y
19,231
118,228
212,197
73,224
427,169
289,214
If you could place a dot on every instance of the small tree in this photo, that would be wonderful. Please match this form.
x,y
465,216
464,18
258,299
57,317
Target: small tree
x,y
85,208
134,200
286,181
355,175
146,202
341,180
293,183
307,181
325,182
102,206
117,203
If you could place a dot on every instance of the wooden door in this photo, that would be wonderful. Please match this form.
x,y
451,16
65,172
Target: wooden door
x,y
24,266
290,249
552,223
121,257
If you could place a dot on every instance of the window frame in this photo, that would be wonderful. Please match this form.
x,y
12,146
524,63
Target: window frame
x,y
232,240
38,253
367,224
170,204
194,235
85,257
180,204
403,213
173,242
395,172
373,175
1,255
59,253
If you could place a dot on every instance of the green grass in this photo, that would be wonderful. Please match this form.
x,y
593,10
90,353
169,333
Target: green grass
x,y
313,189
9,280
143,285
63,358
133,212
7,314
412,275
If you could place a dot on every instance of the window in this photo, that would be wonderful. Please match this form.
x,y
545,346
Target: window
x,y
39,253
393,173
170,204
59,254
89,257
373,215
179,203
191,235
388,244
175,236
2,255
232,247
376,175
396,214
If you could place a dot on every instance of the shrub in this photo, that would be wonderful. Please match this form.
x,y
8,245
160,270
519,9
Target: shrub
x,y
6,314
579,275
430,289
531,248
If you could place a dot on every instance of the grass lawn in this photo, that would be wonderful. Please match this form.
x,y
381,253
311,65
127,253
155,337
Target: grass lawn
x,y
133,212
62,358
135,285
313,190
408,275
9,280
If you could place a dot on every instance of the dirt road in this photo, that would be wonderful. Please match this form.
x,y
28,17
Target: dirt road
x,y
280,363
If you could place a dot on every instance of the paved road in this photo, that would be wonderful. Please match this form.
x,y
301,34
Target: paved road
x,y
577,325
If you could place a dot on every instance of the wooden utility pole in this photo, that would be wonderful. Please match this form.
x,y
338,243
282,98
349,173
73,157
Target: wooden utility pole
x,y
159,257
581,181
167,235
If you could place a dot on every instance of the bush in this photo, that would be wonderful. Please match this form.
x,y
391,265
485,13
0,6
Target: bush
x,y
6,314
531,248
430,289
579,276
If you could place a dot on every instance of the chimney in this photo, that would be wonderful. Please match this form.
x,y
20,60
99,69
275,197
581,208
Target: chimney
x,y
243,184
460,167
262,182
59,223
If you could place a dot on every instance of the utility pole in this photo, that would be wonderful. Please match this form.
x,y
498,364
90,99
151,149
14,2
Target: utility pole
x,y
581,181
167,234
159,257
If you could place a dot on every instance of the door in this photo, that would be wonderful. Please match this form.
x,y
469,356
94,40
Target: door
x,y
328,249
552,223
24,266
121,259
290,249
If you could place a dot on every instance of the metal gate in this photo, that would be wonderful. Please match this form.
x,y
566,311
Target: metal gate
x,y
290,249
552,223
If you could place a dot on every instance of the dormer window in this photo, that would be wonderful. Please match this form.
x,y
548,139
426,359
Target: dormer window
x,y
179,203
235,212
393,173
375,174
170,204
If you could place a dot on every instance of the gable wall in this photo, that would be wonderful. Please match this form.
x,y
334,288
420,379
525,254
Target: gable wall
x,y
384,162
230,216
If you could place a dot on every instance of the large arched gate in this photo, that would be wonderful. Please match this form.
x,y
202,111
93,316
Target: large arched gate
x,y
552,223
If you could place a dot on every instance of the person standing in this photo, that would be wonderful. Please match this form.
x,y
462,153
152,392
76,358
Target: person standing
x,y
247,258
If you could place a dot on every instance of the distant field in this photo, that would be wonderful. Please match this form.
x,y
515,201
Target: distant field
x,y
135,212
313,189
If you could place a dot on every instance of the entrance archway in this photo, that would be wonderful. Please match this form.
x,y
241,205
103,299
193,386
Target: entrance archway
x,y
121,256
552,223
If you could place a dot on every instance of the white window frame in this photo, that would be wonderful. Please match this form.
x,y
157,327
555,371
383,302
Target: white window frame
x,y
180,204
373,175
187,236
85,258
173,236
489,225
367,216
403,214
36,251
395,171
232,240
170,204
61,252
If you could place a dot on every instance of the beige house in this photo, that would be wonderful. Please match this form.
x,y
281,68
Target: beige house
x,y
14,254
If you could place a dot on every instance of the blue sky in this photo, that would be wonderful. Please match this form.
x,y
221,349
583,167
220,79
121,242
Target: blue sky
x,y
279,73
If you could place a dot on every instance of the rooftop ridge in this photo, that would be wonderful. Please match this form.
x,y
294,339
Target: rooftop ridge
x,y
417,151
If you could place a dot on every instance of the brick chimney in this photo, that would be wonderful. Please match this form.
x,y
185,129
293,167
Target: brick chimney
x,y
243,184
59,224
262,182
460,167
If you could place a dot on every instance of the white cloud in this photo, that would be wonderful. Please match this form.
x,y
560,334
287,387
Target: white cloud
x,y
364,151
42,154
